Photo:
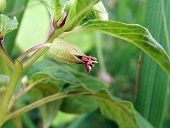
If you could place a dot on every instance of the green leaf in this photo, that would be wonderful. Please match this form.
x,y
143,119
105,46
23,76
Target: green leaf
x,y
49,110
89,81
55,9
82,104
135,34
7,25
79,105
122,112
76,10
39,66
56,74
65,76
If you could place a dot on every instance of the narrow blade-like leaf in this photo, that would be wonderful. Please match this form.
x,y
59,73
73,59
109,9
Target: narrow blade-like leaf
x,y
122,112
153,86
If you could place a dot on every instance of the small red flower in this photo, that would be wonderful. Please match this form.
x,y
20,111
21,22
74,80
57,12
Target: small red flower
x,y
88,62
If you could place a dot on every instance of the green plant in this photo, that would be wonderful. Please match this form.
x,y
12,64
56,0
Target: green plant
x,y
63,88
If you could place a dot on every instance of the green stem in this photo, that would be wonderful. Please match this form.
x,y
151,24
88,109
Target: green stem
x,y
65,34
41,51
21,93
33,49
4,67
16,73
5,57
34,57
41,102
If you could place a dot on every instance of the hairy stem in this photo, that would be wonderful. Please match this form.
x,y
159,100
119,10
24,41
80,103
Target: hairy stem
x,y
34,57
65,34
33,49
21,93
41,51
41,102
14,78
5,57
5,69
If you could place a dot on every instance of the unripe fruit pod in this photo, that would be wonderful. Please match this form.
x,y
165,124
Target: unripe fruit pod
x,y
66,52
2,6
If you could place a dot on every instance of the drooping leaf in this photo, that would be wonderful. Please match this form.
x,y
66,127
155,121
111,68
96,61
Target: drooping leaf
x,y
91,120
76,10
56,74
135,34
39,66
122,112
55,8
7,25
67,77
79,105
89,81
49,110
82,104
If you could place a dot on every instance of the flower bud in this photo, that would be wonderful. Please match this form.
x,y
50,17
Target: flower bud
x,y
63,51
99,11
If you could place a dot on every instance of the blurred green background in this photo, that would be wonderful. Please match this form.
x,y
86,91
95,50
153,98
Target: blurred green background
x,y
118,59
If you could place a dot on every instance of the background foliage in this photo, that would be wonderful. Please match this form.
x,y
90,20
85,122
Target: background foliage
x,y
118,65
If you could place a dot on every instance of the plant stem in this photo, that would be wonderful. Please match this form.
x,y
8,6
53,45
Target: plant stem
x,y
5,68
16,73
65,34
34,57
41,102
22,93
5,57
41,51
33,49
